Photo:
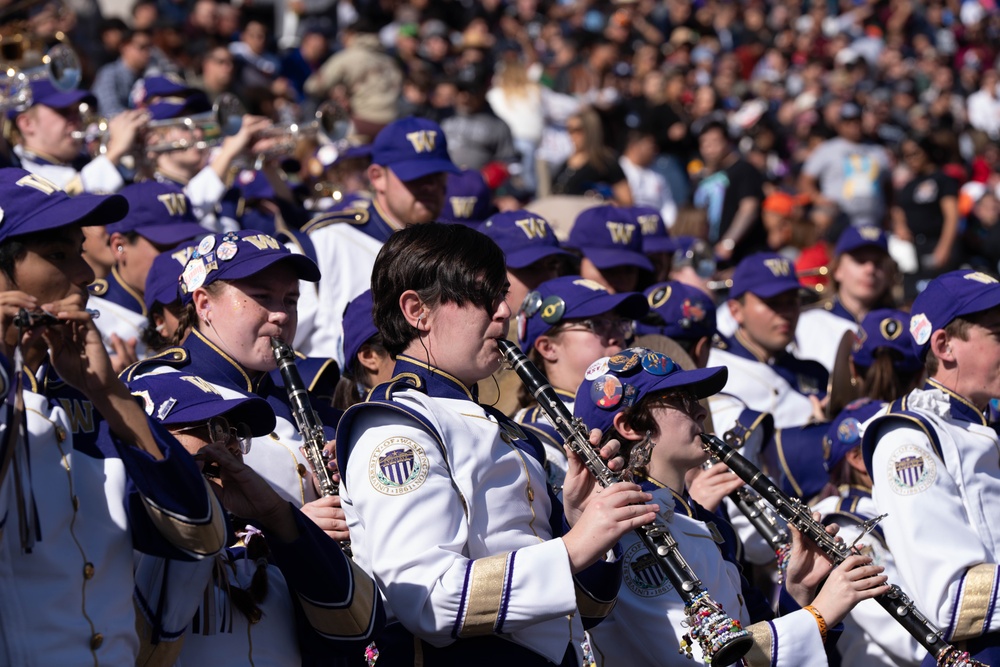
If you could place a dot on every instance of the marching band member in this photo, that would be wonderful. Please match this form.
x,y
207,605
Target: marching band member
x,y
468,200
861,274
52,144
565,325
89,479
239,289
886,368
764,376
642,397
287,594
158,220
446,498
409,165
367,364
162,299
933,462
533,255
609,240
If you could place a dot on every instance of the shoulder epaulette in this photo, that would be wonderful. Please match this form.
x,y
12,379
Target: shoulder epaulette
x,y
176,357
897,412
99,287
352,216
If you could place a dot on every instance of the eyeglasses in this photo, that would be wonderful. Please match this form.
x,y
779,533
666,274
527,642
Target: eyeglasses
x,y
680,400
219,432
605,327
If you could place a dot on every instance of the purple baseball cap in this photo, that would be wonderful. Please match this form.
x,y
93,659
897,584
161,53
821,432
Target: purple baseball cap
x,y
159,213
885,329
948,296
678,311
622,380
254,185
30,203
571,298
179,398
164,275
358,327
655,237
176,106
151,88
236,255
467,198
413,148
854,238
523,236
43,92
844,433
764,274
609,237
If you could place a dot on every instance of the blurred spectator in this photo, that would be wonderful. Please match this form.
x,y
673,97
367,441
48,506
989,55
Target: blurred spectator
x,y
593,167
517,100
476,136
849,173
301,62
363,78
256,67
730,190
981,238
218,71
984,105
114,81
648,187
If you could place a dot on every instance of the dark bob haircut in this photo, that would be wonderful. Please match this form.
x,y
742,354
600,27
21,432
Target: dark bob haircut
x,y
442,264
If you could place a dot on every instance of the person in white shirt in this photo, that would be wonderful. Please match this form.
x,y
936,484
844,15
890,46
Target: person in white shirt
x,y
649,188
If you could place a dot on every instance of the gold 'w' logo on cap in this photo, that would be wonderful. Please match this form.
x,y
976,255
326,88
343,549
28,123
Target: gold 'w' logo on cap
x,y
175,202
980,278
261,241
422,140
533,228
37,182
462,207
201,384
590,284
869,233
647,223
182,255
778,267
621,232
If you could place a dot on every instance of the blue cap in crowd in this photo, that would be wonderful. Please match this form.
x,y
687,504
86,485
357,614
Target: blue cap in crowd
x,y
885,329
235,255
30,203
159,213
799,452
524,237
844,432
174,399
609,236
413,148
253,184
763,274
948,296
682,312
655,237
622,380
175,106
164,276
467,198
571,298
359,327
854,238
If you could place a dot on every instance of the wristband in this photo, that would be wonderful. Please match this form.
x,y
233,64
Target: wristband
x,y
820,621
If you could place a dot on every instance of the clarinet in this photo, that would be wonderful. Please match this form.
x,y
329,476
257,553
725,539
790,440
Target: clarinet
x,y
896,602
722,639
307,421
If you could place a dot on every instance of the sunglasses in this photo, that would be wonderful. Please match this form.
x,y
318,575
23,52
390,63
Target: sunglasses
x,y
220,432
604,327
680,400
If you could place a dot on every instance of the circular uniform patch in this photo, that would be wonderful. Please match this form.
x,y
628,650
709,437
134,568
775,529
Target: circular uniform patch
x,y
910,470
532,302
643,573
206,245
622,363
658,364
397,466
227,250
552,309
606,392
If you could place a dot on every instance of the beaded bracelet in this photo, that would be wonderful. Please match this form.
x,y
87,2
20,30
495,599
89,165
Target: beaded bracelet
x,y
820,621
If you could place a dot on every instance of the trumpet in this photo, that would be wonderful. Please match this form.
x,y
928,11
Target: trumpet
x,y
329,123
222,121
59,64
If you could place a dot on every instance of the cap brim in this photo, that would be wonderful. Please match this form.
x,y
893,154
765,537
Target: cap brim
x,y
629,304
83,210
768,290
524,257
659,244
859,246
411,170
171,234
609,258
254,411
702,382
305,268
67,99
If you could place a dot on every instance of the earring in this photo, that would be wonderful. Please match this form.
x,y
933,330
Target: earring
x,y
121,249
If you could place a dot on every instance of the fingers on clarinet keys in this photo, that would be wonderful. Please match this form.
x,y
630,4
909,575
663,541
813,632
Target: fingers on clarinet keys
x,y
39,318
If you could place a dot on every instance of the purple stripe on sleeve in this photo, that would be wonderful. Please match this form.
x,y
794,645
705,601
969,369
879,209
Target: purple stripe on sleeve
x,y
954,609
774,644
508,584
462,601
993,604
